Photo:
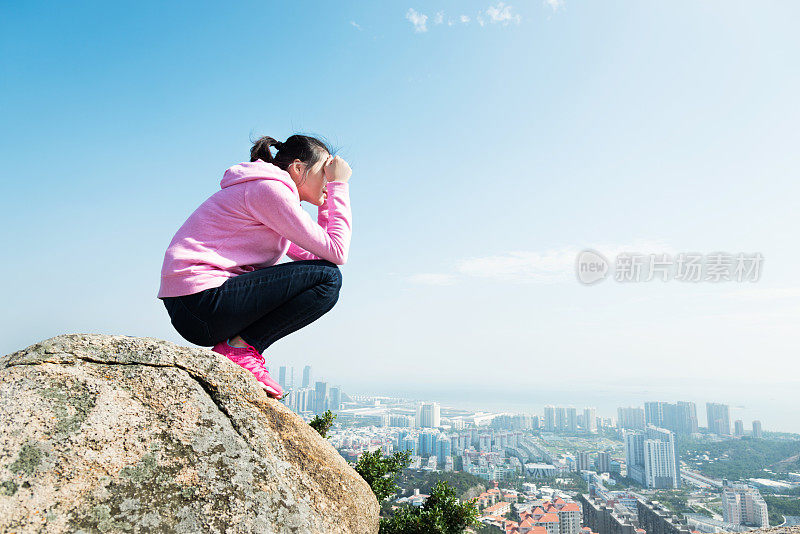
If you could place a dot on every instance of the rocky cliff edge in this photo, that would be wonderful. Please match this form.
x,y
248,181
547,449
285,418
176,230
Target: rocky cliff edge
x,y
102,433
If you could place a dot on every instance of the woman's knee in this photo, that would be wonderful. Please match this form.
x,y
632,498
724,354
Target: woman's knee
x,y
331,284
186,324
335,277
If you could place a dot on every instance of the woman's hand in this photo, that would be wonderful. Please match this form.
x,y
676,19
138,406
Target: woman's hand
x,y
337,170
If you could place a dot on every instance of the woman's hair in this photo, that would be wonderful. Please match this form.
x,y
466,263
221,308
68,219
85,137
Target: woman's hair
x,y
309,150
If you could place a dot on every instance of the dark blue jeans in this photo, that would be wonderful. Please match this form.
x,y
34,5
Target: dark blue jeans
x,y
261,306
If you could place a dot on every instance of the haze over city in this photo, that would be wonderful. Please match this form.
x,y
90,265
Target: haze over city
x,y
486,155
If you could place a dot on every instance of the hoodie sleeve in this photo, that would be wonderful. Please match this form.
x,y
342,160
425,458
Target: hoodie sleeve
x,y
275,205
296,253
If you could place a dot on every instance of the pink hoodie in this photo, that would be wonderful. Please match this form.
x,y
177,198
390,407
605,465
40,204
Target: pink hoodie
x,y
250,224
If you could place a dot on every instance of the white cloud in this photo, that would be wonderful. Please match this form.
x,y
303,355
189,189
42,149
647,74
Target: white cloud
x,y
502,13
555,5
355,24
548,266
554,265
419,20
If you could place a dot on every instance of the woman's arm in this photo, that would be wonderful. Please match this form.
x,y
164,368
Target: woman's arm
x,y
275,205
296,253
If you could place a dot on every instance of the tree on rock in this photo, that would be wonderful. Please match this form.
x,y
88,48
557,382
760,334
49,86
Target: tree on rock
x,y
323,424
441,513
381,473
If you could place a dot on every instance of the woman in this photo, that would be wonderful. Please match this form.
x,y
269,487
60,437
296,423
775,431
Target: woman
x,y
220,282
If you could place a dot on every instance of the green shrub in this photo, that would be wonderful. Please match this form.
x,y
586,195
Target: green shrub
x,y
323,424
381,473
440,514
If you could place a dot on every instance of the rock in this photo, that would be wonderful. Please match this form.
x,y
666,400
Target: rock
x,y
123,434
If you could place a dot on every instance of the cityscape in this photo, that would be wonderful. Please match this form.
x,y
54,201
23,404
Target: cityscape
x,y
568,470
474,267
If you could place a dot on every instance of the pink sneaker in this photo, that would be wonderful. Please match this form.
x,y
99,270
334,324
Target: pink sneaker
x,y
252,360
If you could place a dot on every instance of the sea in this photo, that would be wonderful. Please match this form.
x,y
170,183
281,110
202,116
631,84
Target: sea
x,y
776,406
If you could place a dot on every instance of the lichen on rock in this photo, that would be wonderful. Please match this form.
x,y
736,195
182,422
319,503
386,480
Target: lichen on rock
x,y
123,434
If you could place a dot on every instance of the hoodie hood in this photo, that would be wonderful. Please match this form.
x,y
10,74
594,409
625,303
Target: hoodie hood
x,y
256,170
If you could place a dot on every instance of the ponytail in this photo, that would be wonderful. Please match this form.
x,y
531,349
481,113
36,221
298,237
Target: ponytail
x,y
261,150
309,150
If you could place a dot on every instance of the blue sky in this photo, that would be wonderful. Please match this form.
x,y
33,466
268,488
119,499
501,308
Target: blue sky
x,y
485,153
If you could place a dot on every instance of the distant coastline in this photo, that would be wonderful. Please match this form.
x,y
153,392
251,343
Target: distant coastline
x,y
776,409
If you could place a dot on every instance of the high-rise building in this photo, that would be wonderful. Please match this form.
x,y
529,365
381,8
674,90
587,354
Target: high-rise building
x,y
301,400
569,517
443,448
399,437
335,398
410,444
309,399
537,423
634,455
291,377
630,418
665,435
757,432
572,420
743,505
428,415
549,419
484,442
719,419
401,421
686,416
582,461
599,517
651,458
603,464
653,517
282,376
659,464
670,416
654,413
680,418
306,376
427,442
561,419
738,428
590,420
321,397
522,421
